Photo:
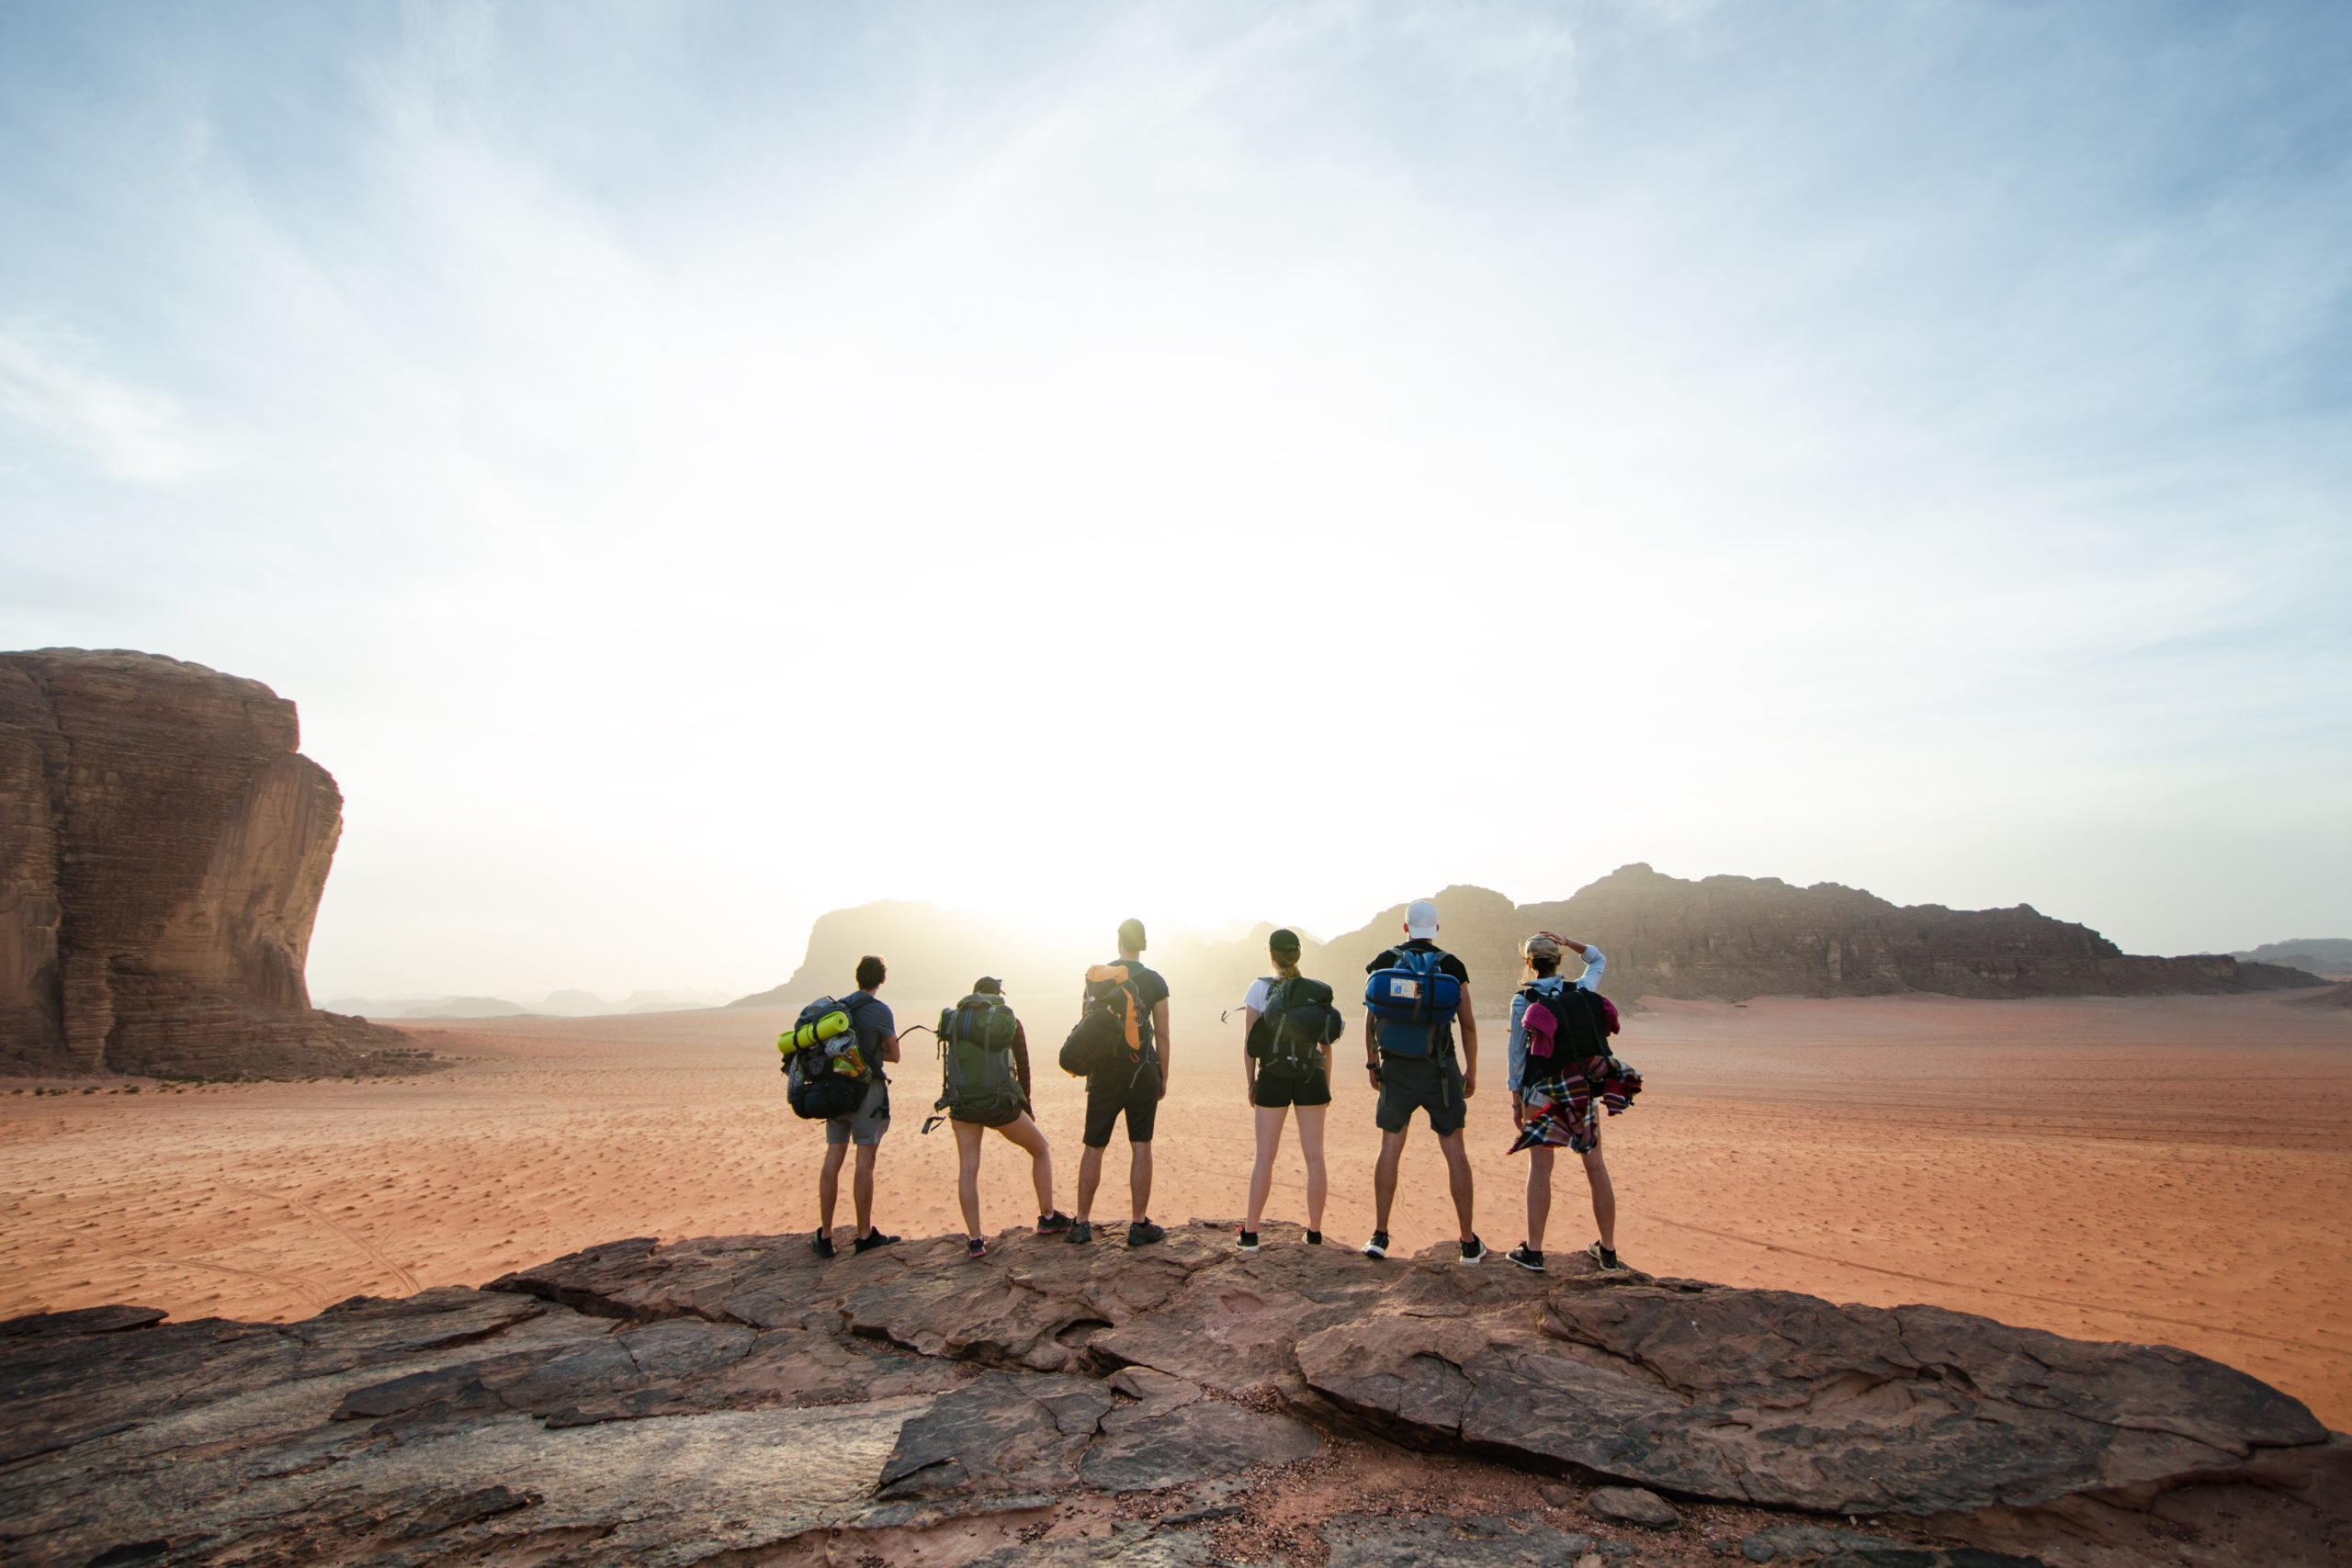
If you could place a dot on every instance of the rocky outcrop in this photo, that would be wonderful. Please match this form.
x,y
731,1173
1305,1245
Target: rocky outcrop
x,y
737,1398
1731,937
163,847
2330,957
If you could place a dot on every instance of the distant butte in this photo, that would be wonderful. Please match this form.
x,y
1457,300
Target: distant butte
x,y
1721,938
163,847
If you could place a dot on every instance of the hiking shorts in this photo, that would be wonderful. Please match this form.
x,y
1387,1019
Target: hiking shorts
x,y
1003,1119
1313,1089
867,1123
1421,1083
1138,1098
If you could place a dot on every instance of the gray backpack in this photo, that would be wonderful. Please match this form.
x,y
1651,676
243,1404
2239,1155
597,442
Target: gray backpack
x,y
980,1081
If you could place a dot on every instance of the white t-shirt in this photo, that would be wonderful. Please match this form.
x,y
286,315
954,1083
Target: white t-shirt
x,y
1259,995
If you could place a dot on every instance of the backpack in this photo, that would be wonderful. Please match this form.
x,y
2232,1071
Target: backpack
x,y
825,1074
1108,1034
1289,1036
1566,1026
1414,1000
978,1078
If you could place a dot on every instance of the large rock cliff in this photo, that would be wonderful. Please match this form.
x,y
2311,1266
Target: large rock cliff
x,y
163,846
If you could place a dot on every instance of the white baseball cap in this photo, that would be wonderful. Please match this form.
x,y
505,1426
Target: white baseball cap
x,y
1420,919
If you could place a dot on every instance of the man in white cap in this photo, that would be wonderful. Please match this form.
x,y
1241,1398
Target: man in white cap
x,y
1430,1079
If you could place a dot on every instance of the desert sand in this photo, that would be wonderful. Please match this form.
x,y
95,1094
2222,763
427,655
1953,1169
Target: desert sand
x,y
2172,1169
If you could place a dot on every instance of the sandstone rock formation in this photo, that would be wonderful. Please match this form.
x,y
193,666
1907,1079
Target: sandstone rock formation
x,y
163,846
2329,958
1732,937
737,1399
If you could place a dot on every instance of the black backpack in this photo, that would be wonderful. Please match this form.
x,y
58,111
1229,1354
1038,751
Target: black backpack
x,y
814,1086
1289,1036
1097,1043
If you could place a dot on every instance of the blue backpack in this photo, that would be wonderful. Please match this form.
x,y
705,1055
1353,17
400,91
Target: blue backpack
x,y
1414,1002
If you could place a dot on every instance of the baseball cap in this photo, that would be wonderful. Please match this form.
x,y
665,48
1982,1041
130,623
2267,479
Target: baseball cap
x,y
1282,941
988,985
1131,935
1420,919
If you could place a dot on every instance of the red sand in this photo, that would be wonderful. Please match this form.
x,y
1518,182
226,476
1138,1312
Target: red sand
x,y
2166,1170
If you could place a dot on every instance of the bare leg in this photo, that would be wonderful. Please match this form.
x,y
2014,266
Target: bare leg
x,y
1384,1177
1310,1143
1090,1176
1262,1175
968,1173
829,1186
1457,1179
1539,1193
1024,1134
1139,1177
861,1189
1604,1197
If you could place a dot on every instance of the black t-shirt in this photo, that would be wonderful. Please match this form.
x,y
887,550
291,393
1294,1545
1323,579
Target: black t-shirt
x,y
1447,963
1151,991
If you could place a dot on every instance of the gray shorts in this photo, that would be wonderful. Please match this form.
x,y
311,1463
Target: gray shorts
x,y
867,1123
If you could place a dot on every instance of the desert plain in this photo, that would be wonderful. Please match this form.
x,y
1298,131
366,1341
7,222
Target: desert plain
x,y
2161,1170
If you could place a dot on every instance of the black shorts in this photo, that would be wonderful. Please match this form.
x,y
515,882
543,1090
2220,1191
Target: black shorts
x,y
1421,1083
1139,1098
1313,1089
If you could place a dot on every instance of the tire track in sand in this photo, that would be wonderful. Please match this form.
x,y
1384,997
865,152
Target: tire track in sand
x,y
368,1249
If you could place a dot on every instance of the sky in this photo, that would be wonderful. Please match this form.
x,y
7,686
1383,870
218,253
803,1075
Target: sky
x,y
695,465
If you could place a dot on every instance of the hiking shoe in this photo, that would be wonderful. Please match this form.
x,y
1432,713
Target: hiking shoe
x,y
1081,1232
873,1240
976,1248
1249,1242
1473,1250
1606,1258
1378,1246
1313,1238
1527,1258
1054,1223
822,1244
1143,1233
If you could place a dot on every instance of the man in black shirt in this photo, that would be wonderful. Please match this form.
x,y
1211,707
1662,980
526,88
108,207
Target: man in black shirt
x,y
1435,1083
1133,1090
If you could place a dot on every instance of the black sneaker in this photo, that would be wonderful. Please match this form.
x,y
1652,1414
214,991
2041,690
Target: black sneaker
x,y
1313,1238
1473,1250
976,1248
1605,1258
822,1244
873,1240
1054,1223
1143,1233
1378,1246
1527,1258
1081,1232
1249,1242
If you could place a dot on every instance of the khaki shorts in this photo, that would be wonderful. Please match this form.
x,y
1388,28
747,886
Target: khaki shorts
x,y
867,1123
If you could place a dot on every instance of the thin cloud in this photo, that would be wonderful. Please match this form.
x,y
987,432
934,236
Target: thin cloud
x,y
130,433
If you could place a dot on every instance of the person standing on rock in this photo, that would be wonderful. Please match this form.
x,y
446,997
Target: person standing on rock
x,y
1427,1078
1554,1101
1133,1090
1020,1129
1276,1087
878,1041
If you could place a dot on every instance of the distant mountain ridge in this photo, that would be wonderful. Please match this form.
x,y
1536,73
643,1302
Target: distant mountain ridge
x,y
1725,938
2328,955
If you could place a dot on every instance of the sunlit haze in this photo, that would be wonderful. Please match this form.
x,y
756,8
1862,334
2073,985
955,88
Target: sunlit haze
x,y
699,466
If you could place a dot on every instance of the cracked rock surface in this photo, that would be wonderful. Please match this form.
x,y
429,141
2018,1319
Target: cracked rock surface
x,y
647,1404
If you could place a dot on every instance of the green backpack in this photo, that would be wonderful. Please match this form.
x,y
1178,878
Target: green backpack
x,y
978,1078
1289,1036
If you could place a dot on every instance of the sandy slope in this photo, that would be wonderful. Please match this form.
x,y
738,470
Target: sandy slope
x,y
2157,1170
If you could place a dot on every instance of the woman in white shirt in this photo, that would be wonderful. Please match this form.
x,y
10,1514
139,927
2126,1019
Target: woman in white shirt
x,y
1278,1082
